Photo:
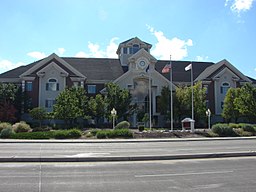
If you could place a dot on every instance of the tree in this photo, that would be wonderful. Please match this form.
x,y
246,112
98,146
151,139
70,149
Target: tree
x,y
229,109
8,93
245,103
97,107
118,98
185,100
39,114
71,104
164,101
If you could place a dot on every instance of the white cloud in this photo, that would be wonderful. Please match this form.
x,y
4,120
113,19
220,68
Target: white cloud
x,y
202,58
95,51
238,6
36,55
81,54
102,14
61,51
165,47
6,65
111,48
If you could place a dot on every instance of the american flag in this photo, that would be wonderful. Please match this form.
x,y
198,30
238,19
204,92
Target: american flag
x,y
167,68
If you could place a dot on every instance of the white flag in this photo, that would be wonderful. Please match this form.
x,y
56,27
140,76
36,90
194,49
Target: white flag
x,y
188,67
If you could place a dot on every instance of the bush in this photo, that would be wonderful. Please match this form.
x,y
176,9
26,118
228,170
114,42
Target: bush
x,y
123,125
33,135
21,127
141,128
5,125
223,130
68,134
233,125
118,133
248,128
6,133
102,134
241,132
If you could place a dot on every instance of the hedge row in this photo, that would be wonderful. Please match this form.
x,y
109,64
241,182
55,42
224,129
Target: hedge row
x,y
232,129
60,134
116,133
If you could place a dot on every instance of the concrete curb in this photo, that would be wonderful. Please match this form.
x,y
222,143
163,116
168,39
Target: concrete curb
x,y
128,158
127,140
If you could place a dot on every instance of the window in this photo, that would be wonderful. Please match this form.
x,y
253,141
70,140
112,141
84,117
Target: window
x,y
125,50
29,86
49,103
52,85
224,88
206,88
135,48
207,104
91,89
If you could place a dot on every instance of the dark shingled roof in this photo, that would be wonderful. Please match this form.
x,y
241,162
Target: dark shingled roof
x,y
178,68
96,68
15,73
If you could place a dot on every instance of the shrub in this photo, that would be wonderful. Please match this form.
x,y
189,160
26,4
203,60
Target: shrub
x,y
233,125
5,125
241,132
101,134
118,133
123,125
123,133
68,134
33,135
6,133
248,128
223,130
141,128
21,127
74,133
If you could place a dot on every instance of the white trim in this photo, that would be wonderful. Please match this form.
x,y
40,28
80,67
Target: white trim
x,y
54,65
46,60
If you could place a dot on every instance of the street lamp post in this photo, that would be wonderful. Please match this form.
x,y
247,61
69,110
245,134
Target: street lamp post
x,y
208,114
113,114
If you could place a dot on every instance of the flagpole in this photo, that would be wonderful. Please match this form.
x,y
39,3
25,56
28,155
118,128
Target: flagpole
x,y
149,84
171,94
192,97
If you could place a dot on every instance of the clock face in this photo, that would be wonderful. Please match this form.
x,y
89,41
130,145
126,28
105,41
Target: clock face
x,y
142,64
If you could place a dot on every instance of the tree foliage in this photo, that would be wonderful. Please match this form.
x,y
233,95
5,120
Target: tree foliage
x,y
245,103
39,114
118,98
71,104
229,109
184,98
8,93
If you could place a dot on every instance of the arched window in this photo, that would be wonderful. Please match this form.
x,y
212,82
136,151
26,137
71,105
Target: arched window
x,y
52,85
224,88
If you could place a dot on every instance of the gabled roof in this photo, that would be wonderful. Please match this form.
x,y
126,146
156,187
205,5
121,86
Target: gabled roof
x,y
211,71
97,68
132,40
178,68
91,68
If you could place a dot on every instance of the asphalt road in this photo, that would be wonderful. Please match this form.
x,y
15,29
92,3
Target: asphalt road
x,y
76,150
211,175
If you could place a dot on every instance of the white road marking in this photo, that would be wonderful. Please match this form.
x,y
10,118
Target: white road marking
x,y
185,174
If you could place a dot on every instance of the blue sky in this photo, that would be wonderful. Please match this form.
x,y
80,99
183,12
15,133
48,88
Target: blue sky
x,y
193,30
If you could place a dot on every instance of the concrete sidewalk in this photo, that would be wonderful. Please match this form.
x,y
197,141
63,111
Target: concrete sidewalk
x,y
130,157
125,140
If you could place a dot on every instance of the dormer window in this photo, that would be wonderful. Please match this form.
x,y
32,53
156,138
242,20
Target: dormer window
x,y
135,48
52,85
